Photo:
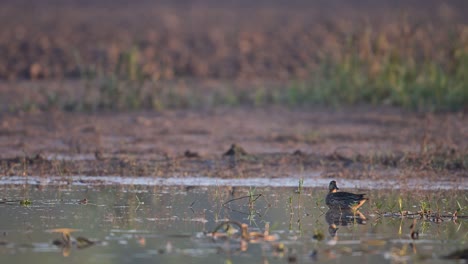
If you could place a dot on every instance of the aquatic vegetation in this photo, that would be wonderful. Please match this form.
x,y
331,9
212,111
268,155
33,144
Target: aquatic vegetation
x,y
25,202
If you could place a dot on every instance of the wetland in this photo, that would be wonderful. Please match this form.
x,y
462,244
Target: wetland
x,y
133,223
208,131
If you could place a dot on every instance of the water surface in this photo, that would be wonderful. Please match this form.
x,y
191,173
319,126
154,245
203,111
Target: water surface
x,y
164,223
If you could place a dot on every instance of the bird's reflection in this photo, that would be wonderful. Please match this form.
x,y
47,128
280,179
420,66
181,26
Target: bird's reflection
x,y
343,217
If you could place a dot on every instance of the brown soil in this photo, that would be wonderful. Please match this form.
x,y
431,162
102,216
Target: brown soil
x,y
349,143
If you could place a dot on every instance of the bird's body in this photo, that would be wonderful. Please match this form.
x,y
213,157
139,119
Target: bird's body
x,y
343,200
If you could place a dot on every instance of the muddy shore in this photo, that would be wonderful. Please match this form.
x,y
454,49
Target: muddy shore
x,y
271,142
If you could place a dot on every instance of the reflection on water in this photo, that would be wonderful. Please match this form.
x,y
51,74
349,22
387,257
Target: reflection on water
x,y
147,224
342,217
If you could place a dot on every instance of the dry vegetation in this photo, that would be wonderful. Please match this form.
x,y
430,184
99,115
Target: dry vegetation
x,y
65,38
335,52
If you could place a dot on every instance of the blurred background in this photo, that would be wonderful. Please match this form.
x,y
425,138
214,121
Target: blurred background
x,y
123,55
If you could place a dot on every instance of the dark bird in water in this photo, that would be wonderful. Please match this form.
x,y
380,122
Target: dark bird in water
x,y
343,200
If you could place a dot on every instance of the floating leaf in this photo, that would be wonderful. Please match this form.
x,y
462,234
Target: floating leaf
x,y
25,202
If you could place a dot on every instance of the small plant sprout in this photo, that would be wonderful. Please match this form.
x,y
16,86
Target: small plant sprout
x,y
378,206
301,186
391,206
252,197
319,202
425,207
400,203
139,201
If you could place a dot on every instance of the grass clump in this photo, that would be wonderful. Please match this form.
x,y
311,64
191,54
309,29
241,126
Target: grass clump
x,y
390,80
119,89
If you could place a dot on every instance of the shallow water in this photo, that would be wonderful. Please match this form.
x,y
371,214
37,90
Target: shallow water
x,y
147,224
313,181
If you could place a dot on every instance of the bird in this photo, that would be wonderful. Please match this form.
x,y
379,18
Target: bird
x,y
343,200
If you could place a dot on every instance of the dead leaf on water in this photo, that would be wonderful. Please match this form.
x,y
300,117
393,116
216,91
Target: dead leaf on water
x,y
375,242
